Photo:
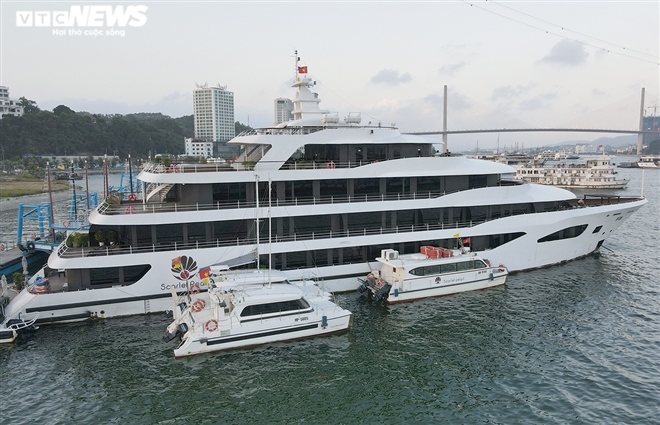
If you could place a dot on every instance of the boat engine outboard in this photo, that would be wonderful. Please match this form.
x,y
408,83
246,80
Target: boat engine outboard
x,y
180,331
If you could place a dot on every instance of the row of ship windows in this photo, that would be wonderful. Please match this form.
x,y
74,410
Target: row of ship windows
x,y
448,268
307,189
108,276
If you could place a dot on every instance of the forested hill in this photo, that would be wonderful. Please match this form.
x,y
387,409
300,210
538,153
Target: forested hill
x,y
66,132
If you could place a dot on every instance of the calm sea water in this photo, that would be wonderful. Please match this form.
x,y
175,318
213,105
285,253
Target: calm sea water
x,y
575,343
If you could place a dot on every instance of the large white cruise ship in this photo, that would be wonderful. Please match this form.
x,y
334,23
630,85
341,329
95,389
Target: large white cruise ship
x,y
340,193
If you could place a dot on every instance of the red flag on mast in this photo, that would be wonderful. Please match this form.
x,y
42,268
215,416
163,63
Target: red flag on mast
x,y
302,69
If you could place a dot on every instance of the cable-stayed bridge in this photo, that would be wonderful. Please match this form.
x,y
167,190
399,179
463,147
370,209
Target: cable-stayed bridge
x,y
641,131
524,130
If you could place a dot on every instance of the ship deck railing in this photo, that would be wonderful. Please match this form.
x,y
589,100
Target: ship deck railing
x,y
71,252
248,165
126,208
118,249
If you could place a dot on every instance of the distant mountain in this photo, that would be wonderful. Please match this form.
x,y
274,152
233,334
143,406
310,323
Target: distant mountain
x,y
615,142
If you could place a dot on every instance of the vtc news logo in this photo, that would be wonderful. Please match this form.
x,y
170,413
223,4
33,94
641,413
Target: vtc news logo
x,y
85,16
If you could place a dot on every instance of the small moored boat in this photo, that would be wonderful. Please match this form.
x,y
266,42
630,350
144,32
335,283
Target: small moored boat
x,y
10,329
247,308
431,273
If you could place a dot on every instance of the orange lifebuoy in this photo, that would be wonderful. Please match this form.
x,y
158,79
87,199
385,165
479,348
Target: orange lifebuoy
x,y
130,209
132,197
380,282
194,288
198,306
487,262
212,325
501,268
331,164
2,247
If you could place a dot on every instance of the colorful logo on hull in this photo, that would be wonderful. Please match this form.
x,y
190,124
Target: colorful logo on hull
x,y
184,267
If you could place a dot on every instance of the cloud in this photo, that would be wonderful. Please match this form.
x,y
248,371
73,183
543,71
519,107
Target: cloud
x,y
508,92
391,77
451,69
567,52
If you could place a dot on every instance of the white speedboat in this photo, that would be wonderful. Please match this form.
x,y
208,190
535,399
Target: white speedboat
x,y
649,162
11,328
593,173
433,272
342,192
249,308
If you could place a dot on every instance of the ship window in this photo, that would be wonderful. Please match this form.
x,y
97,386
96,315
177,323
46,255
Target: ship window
x,y
448,268
428,184
302,189
353,255
297,259
104,276
597,229
567,233
169,234
223,192
366,187
478,213
463,265
335,187
476,181
479,264
277,307
394,186
134,273
143,235
364,220
196,232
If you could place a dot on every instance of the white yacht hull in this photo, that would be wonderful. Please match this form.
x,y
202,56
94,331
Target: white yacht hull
x,y
233,335
152,292
460,282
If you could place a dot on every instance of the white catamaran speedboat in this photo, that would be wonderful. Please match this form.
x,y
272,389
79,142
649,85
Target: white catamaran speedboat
x,y
342,192
247,308
433,272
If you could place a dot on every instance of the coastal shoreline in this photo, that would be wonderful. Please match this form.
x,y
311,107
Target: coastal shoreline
x,y
8,204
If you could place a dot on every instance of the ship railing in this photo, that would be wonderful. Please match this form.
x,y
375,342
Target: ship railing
x,y
325,164
174,168
249,160
151,208
72,252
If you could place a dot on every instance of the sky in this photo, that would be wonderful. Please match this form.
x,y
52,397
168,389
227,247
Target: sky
x,y
506,64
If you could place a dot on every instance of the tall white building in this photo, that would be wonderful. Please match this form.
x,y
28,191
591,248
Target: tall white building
x,y
198,147
283,110
8,106
214,113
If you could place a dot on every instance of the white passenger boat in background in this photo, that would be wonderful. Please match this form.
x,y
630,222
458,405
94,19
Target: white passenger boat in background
x,y
248,308
342,192
593,173
649,162
433,272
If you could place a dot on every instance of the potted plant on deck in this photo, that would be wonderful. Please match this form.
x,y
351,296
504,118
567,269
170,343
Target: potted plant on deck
x,y
100,237
70,240
111,236
81,239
